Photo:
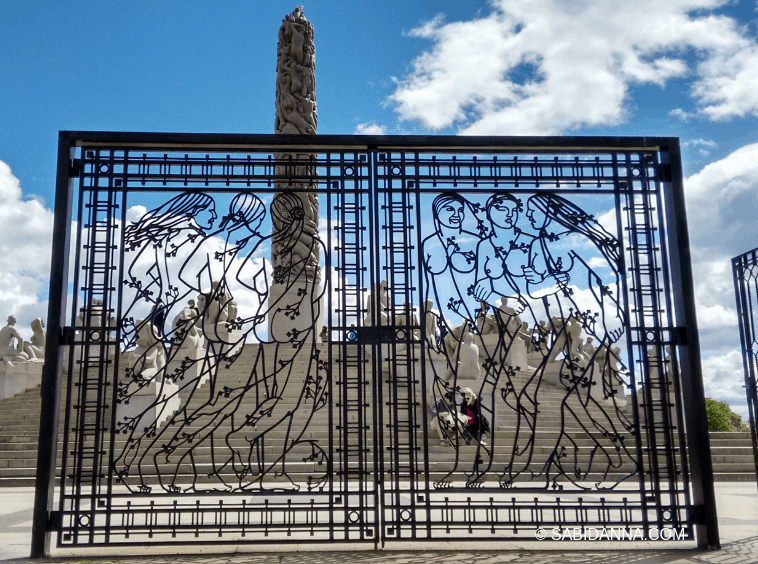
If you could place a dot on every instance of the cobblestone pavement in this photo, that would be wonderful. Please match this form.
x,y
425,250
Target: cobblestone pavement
x,y
739,552
738,527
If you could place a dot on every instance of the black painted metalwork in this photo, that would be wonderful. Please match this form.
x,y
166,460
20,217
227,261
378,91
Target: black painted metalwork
x,y
500,351
745,271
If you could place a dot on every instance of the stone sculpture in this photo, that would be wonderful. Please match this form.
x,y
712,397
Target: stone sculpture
x,y
295,297
296,115
148,359
95,318
219,312
574,343
188,334
11,343
408,317
485,321
382,318
467,360
26,373
430,322
36,348
296,80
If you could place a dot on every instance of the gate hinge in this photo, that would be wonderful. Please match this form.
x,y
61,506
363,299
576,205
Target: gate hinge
x,y
67,336
75,168
679,336
664,172
697,513
53,521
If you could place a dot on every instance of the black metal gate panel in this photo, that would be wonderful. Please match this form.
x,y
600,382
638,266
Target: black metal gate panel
x,y
745,272
499,345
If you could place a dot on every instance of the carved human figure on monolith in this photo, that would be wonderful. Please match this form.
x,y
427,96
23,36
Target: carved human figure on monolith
x,y
295,297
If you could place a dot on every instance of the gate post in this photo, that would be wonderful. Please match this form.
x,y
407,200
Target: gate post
x,y
705,519
51,371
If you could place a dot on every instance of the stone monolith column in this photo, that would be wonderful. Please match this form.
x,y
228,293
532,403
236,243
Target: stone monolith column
x,y
295,297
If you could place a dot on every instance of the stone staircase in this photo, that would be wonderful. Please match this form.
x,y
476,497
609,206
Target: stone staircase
x,y
19,426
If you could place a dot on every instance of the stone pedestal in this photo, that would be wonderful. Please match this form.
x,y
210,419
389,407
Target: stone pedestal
x,y
154,403
19,377
294,310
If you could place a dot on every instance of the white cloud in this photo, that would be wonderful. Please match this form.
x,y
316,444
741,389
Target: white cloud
x,y
547,66
723,378
721,203
703,146
134,213
710,143
370,128
679,113
729,86
26,231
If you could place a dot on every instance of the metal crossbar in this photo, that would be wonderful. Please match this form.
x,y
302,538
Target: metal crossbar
x,y
494,346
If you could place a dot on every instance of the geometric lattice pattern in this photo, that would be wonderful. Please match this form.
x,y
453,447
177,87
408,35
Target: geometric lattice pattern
x,y
492,347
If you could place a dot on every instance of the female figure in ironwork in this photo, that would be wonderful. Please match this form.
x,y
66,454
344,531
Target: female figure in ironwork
x,y
450,257
552,264
263,461
159,238
450,266
206,408
252,412
504,253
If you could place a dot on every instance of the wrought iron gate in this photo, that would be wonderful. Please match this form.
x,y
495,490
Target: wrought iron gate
x,y
745,272
508,345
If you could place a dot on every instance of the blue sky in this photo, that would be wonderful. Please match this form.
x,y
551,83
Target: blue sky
x,y
687,68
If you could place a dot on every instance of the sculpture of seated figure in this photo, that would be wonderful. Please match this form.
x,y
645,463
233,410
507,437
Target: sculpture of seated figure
x,y
36,348
526,335
408,317
574,338
11,343
188,334
384,305
485,322
508,318
467,360
566,334
430,321
148,359
220,310
588,349
453,338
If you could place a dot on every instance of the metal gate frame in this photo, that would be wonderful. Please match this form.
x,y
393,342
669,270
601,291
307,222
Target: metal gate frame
x,y
745,273
701,510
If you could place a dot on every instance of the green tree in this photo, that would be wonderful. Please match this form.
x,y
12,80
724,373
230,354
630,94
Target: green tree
x,y
722,418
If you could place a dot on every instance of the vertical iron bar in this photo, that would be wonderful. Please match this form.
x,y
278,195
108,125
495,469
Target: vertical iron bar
x,y
740,265
51,371
696,417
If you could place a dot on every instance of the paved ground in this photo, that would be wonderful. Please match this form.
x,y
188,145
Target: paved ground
x,y
738,525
